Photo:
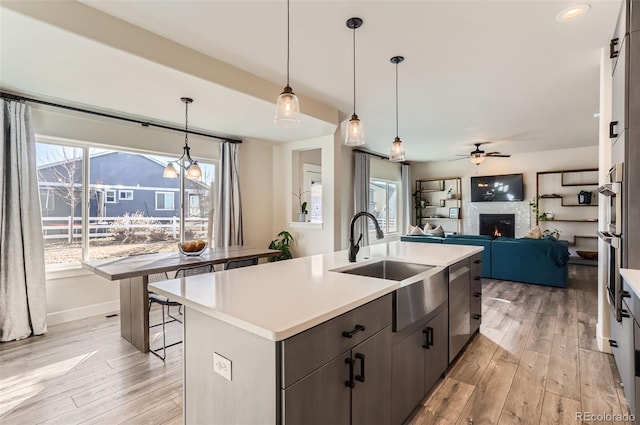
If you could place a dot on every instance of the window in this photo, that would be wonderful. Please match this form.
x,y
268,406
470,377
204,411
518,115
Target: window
x,y
164,201
110,196
119,223
383,204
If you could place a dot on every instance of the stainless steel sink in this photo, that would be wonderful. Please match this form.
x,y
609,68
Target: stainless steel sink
x,y
387,269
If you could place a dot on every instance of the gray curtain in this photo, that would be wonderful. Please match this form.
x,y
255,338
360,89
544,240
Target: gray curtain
x,y
229,211
361,193
23,301
405,172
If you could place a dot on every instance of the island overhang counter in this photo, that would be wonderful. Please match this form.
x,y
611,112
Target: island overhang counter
x,y
267,325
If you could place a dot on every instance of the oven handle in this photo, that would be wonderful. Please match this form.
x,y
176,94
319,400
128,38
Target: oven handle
x,y
609,189
609,238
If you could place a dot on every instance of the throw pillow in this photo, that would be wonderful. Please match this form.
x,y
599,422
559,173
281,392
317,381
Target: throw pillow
x,y
438,231
428,227
415,230
534,233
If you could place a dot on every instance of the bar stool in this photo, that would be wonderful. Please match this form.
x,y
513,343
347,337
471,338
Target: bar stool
x,y
234,264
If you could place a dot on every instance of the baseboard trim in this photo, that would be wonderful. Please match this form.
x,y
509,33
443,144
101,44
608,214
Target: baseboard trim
x,y
83,312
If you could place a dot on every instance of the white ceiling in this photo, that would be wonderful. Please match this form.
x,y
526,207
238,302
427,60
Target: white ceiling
x,y
503,71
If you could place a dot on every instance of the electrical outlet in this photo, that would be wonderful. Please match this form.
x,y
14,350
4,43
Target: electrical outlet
x,y
222,366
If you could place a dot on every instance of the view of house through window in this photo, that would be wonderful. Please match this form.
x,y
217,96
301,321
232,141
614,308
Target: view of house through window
x,y
383,204
132,208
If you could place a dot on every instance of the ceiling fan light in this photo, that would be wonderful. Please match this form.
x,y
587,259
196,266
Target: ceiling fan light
x,y
355,132
194,171
476,158
170,171
287,109
397,151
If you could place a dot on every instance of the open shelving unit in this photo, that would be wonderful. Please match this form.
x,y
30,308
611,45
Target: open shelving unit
x,y
576,222
432,204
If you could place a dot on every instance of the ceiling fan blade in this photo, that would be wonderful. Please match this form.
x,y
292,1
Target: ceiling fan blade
x,y
499,156
492,153
458,159
466,156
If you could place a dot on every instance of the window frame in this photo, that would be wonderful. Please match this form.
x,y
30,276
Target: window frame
x,y
173,200
398,185
123,192
106,196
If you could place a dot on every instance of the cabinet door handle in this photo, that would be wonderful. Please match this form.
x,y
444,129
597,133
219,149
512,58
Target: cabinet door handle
x,y
477,316
476,278
612,133
613,53
357,329
360,357
477,261
350,382
625,294
429,337
613,343
636,362
477,294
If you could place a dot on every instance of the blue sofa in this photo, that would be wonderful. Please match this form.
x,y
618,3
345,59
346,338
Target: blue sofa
x,y
538,261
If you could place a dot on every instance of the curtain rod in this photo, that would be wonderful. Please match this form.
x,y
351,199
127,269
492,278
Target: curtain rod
x,y
378,155
18,98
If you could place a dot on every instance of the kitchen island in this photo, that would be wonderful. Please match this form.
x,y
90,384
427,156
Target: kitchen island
x,y
275,342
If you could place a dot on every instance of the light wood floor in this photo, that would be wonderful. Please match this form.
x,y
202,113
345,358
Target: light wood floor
x,y
534,362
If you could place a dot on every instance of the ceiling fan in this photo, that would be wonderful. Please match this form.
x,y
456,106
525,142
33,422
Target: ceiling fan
x,y
477,156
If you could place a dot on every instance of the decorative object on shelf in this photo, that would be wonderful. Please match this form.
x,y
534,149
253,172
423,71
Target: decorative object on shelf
x,y
355,128
302,211
451,194
443,202
283,244
588,255
397,149
584,197
192,248
287,106
549,215
454,212
423,203
554,233
190,166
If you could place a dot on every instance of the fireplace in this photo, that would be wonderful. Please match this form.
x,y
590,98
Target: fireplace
x,y
497,225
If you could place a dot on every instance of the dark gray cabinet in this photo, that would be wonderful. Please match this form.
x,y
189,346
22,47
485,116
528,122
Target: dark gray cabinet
x,y
475,294
339,372
419,360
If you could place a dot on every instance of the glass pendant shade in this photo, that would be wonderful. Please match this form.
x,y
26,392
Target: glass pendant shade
x,y
194,171
170,171
355,132
476,159
397,151
287,109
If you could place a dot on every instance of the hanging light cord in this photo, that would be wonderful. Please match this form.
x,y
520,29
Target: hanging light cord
x,y
186,124
288,42
396,99
354,70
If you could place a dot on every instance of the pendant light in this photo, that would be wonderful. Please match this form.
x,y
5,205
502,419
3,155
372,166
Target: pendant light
x,y
355,128
191,167
397,149
287,107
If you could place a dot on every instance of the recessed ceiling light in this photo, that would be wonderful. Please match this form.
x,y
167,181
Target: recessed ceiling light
x,y
573,12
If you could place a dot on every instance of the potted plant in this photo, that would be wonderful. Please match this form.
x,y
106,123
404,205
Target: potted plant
x,y
283,244
302,212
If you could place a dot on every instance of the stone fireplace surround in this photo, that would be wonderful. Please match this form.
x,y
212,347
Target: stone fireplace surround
x,y
521,210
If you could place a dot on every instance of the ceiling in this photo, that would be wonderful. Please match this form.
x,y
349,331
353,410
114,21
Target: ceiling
x,y
499,71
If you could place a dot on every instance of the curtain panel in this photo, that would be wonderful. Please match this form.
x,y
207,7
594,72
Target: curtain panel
x,y
405,171
23,303
361,194
228,216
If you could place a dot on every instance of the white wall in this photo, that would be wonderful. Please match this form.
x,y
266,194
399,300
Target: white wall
x,y
76,293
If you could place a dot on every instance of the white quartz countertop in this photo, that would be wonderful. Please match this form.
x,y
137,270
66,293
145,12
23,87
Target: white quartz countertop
x,y
281,299
632,276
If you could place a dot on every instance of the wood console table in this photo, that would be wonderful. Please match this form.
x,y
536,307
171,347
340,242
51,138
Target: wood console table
x,y
133,273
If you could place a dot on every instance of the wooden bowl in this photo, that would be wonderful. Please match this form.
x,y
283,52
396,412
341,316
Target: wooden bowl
x,y
588,255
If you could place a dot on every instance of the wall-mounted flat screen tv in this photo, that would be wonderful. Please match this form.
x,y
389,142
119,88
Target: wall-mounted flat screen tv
x,y
505,188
